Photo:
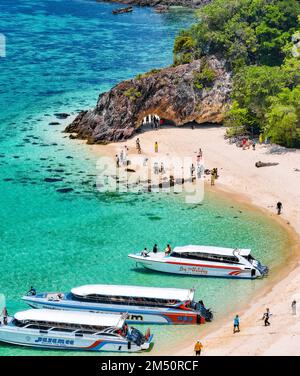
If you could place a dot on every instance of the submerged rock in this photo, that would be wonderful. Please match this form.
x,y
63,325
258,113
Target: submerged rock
x,y
52,180
62,115
64,190
174,94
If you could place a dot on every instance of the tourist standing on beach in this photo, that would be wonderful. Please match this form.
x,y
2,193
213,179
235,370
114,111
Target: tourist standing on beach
x,y
192,169
125,157
199,171
236,324
279,207
266,317
294,307
162,168
198,347
137,144
156,147
117,161
244,142
156,168
212,178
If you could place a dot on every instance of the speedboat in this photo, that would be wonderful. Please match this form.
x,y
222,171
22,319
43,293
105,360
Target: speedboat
x,y
72,330
205,261
151,305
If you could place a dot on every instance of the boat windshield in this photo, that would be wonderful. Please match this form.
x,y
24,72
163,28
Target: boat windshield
x,y
125,300
65,327
206,257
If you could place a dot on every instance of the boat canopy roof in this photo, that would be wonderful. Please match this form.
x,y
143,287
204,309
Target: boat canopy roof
x,y
212,250
71,317
135,292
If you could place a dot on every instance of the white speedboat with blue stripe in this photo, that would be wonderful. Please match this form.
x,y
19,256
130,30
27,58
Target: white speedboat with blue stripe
x,y
68,330
144,305
205,261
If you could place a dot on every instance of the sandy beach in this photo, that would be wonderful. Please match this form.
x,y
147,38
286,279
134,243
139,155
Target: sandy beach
x,y
262,187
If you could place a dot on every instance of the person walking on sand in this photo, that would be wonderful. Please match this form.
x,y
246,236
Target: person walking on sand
x,y
236,324
294,307
279,207
197,348
266,317
156,147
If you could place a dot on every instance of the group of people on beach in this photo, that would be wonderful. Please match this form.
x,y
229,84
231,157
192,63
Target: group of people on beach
x,y
236,324
248,143
197,169
153,120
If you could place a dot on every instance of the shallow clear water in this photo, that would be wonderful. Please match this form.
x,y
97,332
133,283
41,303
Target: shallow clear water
x,y
60,55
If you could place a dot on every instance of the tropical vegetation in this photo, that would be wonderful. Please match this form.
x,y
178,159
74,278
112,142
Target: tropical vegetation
x,y
259,40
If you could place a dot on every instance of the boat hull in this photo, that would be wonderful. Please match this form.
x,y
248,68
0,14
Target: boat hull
x,y
136,315
33,338
194,269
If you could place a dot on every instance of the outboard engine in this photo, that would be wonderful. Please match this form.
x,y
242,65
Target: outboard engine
x,y
204,312
264,270
136,336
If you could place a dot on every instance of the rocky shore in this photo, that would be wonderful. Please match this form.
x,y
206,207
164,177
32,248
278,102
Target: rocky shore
x,y
195,92
167,3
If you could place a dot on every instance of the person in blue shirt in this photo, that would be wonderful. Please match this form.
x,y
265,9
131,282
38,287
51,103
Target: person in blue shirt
x,y
236,324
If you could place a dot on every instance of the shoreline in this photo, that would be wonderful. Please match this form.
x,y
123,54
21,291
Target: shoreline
x,y
217,337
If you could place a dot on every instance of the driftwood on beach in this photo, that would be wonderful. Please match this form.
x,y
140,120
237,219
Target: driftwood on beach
x,y
262,164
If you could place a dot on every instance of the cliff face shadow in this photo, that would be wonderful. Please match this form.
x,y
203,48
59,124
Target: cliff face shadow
x,y
171,125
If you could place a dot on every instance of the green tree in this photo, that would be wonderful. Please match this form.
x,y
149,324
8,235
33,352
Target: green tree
x,y
243,32
237,120
283,118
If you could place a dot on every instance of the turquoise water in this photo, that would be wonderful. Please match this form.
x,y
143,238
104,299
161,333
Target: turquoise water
x,y
60,55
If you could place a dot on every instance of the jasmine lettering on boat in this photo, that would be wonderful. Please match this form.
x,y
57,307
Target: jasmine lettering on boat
x,y
56,341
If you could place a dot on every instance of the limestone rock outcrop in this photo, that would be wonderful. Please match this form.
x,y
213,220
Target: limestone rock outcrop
x,y
195,92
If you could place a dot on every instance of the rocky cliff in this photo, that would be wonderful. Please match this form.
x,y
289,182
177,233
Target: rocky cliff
x,y
198,92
